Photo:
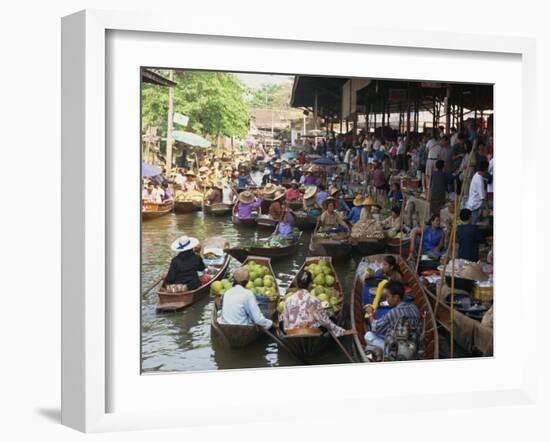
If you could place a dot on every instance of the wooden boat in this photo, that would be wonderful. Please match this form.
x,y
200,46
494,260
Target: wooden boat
x,y
266,222
248,222
242,335
176,301
366,247
429,344
218,209
242,253
304,221
154,210
393,245
187,206
308,342
472,337
336,248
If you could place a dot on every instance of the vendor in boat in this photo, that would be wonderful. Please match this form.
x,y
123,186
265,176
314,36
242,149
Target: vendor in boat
x,y
239,305
330,220
228,194
310,179
284,226
276,208
167,192
396,196
243,179
293,193
247,203
269,190
402,306
150,194
321,195
310,202
184,266
304,310
341,205
433,239
468,237
355,212
389,270
394,223
214,195
190,184
367,228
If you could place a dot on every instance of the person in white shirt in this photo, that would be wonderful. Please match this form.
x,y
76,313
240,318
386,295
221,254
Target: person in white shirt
x,y
239,305
477,197
227,194
433,149
150,194
179,179
377,143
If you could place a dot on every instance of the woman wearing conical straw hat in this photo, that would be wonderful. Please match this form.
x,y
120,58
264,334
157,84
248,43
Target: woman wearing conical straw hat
x,y
247,203
184,266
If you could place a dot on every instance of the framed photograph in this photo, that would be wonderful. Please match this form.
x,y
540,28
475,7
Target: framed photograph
x,y
273,207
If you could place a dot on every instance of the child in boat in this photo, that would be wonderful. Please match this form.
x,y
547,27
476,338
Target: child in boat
x,y
389,270
303,310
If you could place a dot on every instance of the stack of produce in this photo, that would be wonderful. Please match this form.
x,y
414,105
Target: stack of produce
x,y
261,282
218,288
368,229
189,196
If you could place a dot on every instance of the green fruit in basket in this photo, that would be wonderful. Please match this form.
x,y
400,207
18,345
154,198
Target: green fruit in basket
x,y
253,275
217,287
326,270
333,300
318,291
250,285
319,279
226,283
329,280
260,291
258,282
281,307
323,297
268,283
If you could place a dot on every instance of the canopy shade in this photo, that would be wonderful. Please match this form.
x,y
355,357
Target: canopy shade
x,y
148,170
190,138
324,161
290,155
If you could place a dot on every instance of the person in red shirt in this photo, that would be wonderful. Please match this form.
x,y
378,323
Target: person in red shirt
x,y
293,193
301,158
379,180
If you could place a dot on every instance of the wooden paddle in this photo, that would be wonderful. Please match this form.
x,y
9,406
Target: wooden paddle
x,y
341,346
154,285
283,345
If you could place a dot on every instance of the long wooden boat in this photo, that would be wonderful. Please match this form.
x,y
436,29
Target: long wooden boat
x,y
218,209
242,335
266,222
304,221
366,247
473,337
306,343
169,302
335,248
429,344
393,245
242,222
242,253
187,206
154,210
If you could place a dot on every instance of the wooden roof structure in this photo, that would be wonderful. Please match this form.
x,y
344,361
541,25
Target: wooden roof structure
x,y
151,77
328,91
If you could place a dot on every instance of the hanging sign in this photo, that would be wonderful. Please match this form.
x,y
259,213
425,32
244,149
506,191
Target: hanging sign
x,y
181,119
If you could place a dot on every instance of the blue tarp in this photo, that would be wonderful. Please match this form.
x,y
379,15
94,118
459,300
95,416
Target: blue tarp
x,y
323,161
148,170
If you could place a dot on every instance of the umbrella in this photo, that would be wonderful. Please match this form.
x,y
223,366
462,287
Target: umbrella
x,y
148,170
323,161
290,155
190,138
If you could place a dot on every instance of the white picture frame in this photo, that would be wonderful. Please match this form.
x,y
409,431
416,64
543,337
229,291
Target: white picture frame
x,y
87,212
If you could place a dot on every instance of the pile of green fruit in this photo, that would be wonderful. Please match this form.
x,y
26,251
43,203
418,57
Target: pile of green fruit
x,y
261,282
323,284
218,288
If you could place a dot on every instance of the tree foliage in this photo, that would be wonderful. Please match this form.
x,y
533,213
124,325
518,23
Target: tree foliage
x,y
213,101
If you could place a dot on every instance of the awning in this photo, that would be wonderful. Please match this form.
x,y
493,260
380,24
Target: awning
x,y
190,139
148,170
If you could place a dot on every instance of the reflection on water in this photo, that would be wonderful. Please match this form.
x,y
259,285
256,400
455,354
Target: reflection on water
x,y
181,341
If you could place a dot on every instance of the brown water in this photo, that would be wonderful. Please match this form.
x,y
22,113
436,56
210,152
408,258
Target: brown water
x,y
181,341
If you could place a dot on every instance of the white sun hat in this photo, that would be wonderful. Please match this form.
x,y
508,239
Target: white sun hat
x,y
184,243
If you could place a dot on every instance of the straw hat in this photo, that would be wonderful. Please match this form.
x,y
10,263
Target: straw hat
x,y
310,192
204,169
473,271
369,201
328,200
246,197
184,243
334,191
228,168
190,173
358,200
279,193
269,189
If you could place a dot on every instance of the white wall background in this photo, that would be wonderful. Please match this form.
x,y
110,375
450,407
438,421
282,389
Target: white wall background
x,y
30,215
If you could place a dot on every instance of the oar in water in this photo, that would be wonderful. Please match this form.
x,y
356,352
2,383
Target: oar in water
x,y
153,286
283,345
341,346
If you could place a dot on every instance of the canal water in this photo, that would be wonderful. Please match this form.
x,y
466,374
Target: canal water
x,y
181,341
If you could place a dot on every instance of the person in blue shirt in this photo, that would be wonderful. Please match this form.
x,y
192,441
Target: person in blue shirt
x,y
379,155
322,195
243,179
468,237
433,239
355,212
395,195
